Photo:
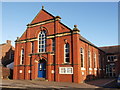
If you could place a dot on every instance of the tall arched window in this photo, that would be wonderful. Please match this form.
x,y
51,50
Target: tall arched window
x,y
95,61
42,41
89,59
66,54
82,57
22,57
53,45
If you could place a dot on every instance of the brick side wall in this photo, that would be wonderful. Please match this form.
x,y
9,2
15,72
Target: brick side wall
x,y
5,73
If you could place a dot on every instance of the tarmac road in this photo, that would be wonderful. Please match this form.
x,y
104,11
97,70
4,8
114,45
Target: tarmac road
x,y
112,85
40,85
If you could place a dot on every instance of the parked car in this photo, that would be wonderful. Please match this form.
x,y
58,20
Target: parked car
x,y
118,80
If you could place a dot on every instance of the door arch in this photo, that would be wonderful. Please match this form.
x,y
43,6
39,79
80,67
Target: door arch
x,y
42,69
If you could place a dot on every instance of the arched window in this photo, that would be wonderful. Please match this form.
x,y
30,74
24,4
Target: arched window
x,y
22,57
82,56
42,41
89,59
53,45
66,54
95,61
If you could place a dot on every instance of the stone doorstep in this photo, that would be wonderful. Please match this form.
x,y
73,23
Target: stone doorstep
x,y
39,79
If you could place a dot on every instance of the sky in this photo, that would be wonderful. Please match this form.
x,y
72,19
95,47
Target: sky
x,y
97,21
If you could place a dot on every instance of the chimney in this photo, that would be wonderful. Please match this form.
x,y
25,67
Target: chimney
x,y
8,41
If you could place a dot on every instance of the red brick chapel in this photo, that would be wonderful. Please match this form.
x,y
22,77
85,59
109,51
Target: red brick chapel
x,y
51,50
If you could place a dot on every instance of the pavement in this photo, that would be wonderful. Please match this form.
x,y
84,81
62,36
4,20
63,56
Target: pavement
x,y
34,85
101,82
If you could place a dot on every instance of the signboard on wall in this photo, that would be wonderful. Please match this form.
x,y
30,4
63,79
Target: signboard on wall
x,y
65,70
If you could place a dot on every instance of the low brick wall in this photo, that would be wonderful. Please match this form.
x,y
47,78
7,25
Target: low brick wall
x,y
5,72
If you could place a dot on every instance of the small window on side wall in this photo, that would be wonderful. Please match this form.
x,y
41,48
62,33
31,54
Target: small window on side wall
x,y
95,62
82,57
22,57
66,53
53,45
89,59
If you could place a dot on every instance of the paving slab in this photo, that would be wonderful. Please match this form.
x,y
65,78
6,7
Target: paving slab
x,y
101,82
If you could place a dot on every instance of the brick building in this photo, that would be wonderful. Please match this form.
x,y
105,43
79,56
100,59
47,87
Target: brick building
x,y
113,60
6,57
51,50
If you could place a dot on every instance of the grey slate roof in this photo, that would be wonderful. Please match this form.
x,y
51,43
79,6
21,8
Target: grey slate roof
x,y
88,42
84,39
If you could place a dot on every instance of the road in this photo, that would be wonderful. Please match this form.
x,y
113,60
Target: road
x,y
112,85
37,85
31,84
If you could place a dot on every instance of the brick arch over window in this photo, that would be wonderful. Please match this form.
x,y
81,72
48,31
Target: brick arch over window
x,y
41,29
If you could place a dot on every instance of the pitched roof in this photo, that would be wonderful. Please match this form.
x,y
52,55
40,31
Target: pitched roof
x,y
81,37
42,16
88,42
111,49
84,39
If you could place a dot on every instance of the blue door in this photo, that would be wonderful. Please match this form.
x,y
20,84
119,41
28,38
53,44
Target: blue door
x,y
42,70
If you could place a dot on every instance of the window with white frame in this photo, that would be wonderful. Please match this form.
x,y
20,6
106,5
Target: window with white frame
x,y
42,41
82,56
66,53
22,57
53,44
115,57
95,65
112,58
89,59
65,70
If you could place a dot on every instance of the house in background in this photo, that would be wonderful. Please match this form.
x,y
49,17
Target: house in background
x,y
6,58
51,50
113,60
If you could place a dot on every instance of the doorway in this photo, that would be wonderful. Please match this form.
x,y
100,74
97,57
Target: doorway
x,y
42,69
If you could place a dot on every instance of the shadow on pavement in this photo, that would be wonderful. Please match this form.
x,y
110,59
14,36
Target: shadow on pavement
x,y
104,83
